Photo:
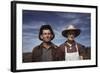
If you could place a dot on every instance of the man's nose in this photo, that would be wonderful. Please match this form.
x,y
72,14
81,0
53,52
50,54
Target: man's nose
x,y
47,35
72,35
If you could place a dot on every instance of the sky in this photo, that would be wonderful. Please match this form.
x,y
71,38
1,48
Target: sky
x,y
32,21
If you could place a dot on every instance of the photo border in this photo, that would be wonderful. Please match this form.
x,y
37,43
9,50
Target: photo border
x,y
13,34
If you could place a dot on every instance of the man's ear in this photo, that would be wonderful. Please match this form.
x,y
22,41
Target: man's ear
x,y
41,36
51,36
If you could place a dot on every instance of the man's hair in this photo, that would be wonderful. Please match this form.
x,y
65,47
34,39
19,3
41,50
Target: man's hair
x,y
46,27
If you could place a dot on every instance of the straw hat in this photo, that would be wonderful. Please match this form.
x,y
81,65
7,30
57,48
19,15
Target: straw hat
x,y
71,29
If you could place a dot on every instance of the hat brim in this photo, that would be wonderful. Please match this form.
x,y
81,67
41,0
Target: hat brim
x,y
76,32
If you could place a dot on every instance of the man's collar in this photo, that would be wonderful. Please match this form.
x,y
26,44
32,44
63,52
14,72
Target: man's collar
x,y
51,45
74,42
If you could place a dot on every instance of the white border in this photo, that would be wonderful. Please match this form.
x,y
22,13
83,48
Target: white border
x,y
21,65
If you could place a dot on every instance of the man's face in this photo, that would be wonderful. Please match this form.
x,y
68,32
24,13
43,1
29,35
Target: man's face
x,y
71,36
46,35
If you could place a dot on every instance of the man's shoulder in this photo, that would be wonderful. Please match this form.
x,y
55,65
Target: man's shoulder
x,y
61,45
80,45
36,48
55,46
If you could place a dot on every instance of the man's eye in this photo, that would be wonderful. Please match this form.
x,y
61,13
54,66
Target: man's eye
x,y
44,33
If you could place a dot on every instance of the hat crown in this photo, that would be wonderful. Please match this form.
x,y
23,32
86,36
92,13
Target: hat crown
x,y
71,27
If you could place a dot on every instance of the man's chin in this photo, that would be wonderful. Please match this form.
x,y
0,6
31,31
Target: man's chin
x,y
47,41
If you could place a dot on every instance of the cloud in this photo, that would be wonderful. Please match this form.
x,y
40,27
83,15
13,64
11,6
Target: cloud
x,y
29,44
68,15
73,15
33,25
31,30
76,22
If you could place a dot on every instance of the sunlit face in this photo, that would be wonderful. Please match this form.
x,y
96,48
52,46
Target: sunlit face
x,y
46,35
71,36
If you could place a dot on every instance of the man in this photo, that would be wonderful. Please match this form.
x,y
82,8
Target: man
x,y
46,51
71,50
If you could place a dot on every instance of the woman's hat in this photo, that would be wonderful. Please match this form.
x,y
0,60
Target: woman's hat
x,y
71,29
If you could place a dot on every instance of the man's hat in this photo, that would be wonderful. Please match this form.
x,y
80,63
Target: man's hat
x,y
71,29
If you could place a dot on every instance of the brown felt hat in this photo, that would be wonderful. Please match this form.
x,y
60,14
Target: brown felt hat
x,y
71,29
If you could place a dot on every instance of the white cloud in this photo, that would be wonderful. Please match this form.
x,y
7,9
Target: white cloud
x,y
67,15
33,25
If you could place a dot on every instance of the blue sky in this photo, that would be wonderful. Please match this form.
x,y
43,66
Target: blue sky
x,y
32,21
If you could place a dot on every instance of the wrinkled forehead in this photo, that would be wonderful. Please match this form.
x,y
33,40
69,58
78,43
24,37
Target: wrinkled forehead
x,y
71,32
